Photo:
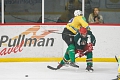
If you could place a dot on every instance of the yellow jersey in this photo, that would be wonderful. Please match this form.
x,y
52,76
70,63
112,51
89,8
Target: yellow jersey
x,y
119,72
75,23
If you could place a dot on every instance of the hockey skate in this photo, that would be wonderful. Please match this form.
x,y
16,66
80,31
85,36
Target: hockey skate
x,y
89,68
116,79
66,64
74,65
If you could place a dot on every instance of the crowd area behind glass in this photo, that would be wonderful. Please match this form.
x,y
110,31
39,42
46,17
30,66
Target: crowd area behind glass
x,y
60,11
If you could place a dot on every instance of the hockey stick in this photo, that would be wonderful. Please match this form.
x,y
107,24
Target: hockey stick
x,y
116,58
82,54
60,33
53,68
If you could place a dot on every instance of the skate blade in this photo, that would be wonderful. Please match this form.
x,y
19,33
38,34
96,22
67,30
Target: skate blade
x,y
89,71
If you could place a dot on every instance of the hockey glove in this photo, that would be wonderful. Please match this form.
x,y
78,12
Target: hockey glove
x,y
79,53
88,47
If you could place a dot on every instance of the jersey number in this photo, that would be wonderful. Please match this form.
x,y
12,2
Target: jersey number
x,y
70,20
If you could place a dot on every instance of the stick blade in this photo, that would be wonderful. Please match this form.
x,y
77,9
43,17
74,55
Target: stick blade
x,y
52,68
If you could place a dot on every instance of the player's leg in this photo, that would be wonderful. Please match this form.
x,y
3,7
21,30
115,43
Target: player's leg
x,y
71,48
71,52
64,60
89,61
69,55
119,69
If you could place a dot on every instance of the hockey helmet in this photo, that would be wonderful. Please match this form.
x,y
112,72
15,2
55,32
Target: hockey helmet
x,y
83,30
77,12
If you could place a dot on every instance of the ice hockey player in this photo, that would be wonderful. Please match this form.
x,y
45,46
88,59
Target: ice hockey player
x,y
118,76
84,42
72,28
119,68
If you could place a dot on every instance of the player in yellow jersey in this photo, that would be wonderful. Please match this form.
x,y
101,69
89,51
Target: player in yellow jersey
x,y
71,29
118,68
77,22
118,76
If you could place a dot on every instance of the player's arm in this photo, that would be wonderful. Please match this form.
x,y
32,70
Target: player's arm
x,y
93,39
84,23
76,39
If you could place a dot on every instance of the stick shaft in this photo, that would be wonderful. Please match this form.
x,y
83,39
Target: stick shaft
x,y
61,33
116,58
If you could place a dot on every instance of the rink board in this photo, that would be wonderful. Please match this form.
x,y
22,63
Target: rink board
x,y
44,43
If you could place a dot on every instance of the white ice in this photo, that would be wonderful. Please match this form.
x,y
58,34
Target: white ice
x,y
39,71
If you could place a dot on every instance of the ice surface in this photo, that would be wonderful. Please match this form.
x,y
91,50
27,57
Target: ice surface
x,y
39,71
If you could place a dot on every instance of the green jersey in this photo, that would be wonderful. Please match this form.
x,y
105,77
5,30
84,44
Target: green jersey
x,y
80,42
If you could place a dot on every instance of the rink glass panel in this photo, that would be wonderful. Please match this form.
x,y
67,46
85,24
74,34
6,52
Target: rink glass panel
x,y
22,11
109,9
25,11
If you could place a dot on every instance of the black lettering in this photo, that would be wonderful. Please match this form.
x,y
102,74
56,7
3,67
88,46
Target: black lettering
x,y
48,41
41,42
10,41
29,41
3,40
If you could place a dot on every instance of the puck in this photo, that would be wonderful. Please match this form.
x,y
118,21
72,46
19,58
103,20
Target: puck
x,y
26,75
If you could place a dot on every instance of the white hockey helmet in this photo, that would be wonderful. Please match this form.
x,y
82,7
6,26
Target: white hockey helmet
x,y
77,12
